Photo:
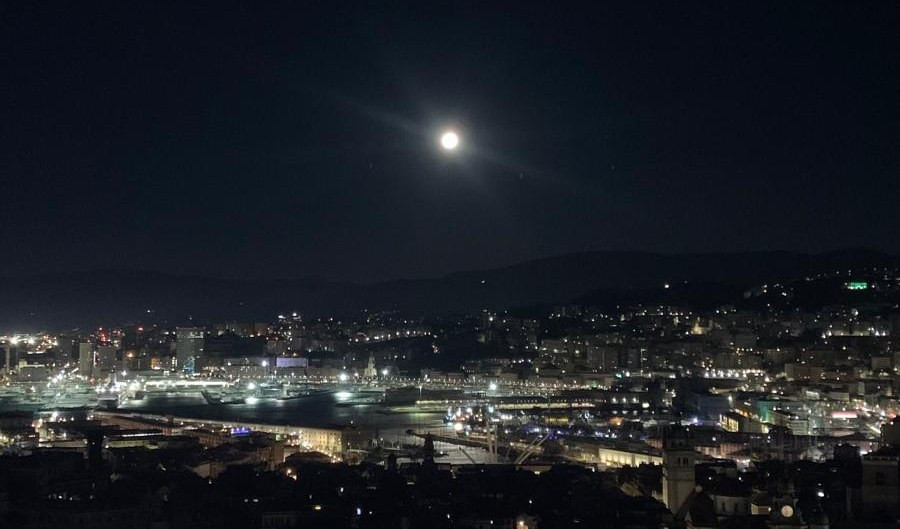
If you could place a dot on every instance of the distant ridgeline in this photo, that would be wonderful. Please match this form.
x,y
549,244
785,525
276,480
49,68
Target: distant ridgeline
x,y
112,297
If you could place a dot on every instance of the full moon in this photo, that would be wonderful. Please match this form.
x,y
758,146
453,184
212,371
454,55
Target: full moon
x,y
449,140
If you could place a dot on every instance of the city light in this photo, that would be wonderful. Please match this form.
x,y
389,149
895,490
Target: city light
x,y
510,267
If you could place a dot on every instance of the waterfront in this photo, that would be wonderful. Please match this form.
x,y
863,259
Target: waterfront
x,y
329,408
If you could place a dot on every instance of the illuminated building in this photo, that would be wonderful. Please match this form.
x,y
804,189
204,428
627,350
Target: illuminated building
x,y
86,359
679,459
188,347
106,358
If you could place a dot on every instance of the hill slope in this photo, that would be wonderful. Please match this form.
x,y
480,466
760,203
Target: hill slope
x,y
114,297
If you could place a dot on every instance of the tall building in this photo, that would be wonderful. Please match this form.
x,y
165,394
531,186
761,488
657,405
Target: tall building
x,y
679,459
106,358
603,357
188,347
86,359
8,351
370,371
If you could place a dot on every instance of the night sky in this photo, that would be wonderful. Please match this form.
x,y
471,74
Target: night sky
x,y
297,139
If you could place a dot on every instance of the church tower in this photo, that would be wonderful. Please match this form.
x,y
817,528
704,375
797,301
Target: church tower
x,y
679,459
370,371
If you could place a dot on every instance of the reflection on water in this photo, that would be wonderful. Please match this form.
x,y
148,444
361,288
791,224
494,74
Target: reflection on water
x,y
320,409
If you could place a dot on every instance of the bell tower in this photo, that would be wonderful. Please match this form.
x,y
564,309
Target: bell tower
x,y
679,459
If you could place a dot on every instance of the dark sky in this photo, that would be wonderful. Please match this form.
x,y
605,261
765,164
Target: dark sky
x,y
292,139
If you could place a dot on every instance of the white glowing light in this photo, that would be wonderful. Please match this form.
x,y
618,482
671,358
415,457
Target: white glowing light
x,y
449,140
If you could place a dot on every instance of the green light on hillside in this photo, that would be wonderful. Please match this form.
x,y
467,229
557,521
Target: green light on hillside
x,y
857,285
